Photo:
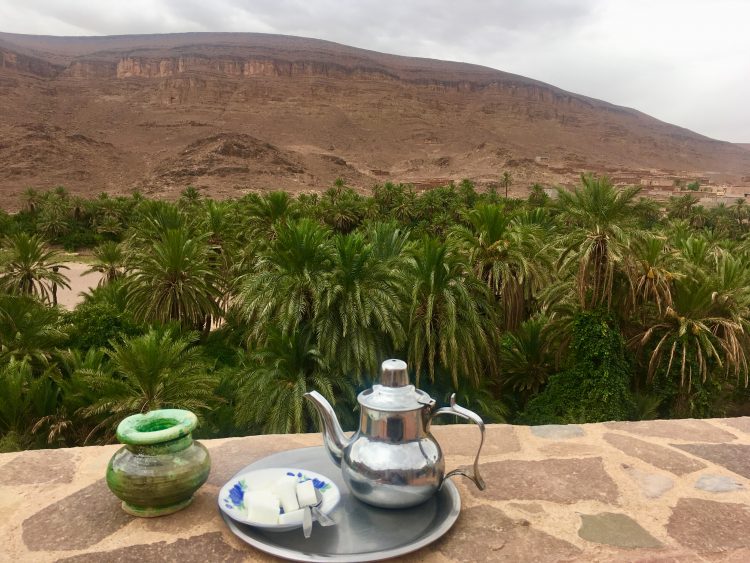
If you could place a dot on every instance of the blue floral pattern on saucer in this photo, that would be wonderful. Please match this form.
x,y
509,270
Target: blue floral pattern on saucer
x,y
232,495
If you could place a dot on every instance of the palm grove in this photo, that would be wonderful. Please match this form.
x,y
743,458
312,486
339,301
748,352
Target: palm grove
x,y
598,305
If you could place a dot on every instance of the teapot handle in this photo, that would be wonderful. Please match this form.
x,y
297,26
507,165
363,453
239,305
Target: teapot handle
x,y
454,409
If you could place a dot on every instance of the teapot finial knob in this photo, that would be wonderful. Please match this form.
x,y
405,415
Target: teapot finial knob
x,y
394,374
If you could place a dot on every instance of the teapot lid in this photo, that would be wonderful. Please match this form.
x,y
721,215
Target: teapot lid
x,y
394,393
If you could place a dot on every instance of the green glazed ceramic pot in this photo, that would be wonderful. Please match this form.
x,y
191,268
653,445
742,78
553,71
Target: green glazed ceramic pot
x,y
159,468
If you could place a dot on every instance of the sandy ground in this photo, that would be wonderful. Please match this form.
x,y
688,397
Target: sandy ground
x,y
79,283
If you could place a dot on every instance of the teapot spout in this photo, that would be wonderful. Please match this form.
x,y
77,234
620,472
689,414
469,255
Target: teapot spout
x,y
334,438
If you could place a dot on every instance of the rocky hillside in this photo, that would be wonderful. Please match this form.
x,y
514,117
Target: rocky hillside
x,y
237,112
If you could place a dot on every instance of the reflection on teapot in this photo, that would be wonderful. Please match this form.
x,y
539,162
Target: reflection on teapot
x,y
393,461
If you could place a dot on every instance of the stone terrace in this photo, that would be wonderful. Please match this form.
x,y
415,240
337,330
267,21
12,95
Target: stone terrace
x,y
642,491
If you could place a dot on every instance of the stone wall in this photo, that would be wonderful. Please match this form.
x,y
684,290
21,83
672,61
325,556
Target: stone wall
x,y
645,491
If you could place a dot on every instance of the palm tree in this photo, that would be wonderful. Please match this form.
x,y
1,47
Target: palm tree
x,y
172,281
265,213
696,253
31,198
31,269
29,331
156,370
224,241
598,215
63,422
389,242
154,219
537,197
506,256
705,328
506,182
109,260
189,198
742,213
653,273
360,316
25,399
526,357
681,207
271,392
341,208
291,275
53,219
448,324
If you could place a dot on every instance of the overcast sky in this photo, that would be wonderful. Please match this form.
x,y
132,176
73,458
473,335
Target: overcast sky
x,y
683,61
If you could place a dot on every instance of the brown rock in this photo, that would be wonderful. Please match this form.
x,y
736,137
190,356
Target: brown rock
x,y
659,456
75,522
735,457
460,439
689,429
705,525
484,533
555,480
38,466
197,549
618,530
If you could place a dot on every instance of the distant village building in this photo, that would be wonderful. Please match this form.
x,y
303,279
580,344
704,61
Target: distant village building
x,y
658,181
717,200
626,180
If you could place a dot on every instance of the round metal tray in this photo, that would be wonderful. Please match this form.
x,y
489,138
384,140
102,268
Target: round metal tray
x,y
362,532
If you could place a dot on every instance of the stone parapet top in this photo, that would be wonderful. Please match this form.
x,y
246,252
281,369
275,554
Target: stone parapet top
x,y
672,490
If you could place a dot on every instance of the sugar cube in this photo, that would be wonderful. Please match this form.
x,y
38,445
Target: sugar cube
x,y
262,507
306,493
285,489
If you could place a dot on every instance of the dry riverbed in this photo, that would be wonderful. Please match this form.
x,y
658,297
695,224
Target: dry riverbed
x,y
80,282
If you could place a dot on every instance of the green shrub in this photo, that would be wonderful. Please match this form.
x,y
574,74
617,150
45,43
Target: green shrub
x,y
95,324
596,386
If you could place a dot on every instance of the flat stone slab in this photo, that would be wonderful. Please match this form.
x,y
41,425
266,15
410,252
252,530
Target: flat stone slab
x,y
462,439
77,521
485,533
706,525
555,480
652,485
197,549
557,431
689,430
37,467
740,423
527,507
567,448
658,456
718,484
735,457
618,530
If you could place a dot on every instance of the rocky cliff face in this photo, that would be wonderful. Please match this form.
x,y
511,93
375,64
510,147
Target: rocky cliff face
x,y
157,110
10,60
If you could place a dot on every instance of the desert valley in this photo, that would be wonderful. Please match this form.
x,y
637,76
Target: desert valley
x,y
230,113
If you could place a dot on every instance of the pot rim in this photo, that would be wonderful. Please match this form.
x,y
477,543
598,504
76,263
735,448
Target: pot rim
x,y
155,427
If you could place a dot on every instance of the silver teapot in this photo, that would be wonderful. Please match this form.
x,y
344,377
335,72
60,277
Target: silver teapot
x,y
393,461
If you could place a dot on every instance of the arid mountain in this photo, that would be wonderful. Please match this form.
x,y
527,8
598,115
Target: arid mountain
x,y
232,112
